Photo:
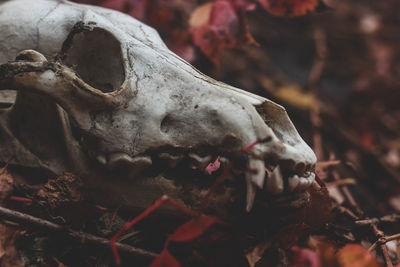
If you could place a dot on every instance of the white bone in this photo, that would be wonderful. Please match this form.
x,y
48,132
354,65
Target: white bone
x,y
111,87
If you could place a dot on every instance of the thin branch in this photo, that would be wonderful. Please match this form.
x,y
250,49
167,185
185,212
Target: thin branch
x,y
383,240
349,196
29,221
387,218
382,245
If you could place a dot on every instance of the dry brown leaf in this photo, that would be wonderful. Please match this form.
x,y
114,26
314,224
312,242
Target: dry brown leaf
x,y
8,252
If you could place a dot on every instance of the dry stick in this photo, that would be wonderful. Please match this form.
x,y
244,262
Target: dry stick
x,y
384,240
30,221
387,218
382,245
347,193
348,212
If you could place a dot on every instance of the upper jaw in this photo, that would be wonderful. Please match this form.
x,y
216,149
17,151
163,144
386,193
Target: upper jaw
x,y
271,168
267,176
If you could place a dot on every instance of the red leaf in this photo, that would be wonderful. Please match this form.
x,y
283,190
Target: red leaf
x,y
193,228
186,232
220,25
289,7
165,259
355,255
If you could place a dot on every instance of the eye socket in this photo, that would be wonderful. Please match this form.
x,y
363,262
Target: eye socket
x,y
96,56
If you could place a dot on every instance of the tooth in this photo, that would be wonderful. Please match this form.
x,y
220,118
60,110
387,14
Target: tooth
x,y
303,183
306,182
102,159
274,182
258,176
250,194
293,182
202,162
310,179
117,158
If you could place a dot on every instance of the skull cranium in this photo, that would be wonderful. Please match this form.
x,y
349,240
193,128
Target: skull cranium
x,y
116,104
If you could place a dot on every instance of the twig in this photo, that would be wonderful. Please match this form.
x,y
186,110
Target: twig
x,y
387,218
383,240
348,212
382,245
349,196
29,221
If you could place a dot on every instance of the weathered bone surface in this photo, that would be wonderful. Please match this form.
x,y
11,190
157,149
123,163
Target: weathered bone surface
x,y
100,95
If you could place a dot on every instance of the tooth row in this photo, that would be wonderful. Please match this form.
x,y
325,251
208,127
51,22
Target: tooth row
x,y
116,159
255,176
112,160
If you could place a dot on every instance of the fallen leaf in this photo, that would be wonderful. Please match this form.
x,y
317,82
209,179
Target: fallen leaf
x,y
9,256
193,228
293,95
188,231
326,252
289,7
165,259
6,184
355,255
304,257
220,25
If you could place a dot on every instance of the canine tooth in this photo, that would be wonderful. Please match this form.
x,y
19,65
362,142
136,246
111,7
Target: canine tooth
x,y
257,178
274,182
250,194
293,182
102,159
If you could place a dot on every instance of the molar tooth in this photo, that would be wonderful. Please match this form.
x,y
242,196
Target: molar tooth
x,y
101,158
293,182
250,194
306,182
117,158
274,182
258,177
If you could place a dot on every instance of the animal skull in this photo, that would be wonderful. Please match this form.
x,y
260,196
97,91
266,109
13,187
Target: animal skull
x,y
100,95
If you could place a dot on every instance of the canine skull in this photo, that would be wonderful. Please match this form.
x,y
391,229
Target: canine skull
x,y
100,95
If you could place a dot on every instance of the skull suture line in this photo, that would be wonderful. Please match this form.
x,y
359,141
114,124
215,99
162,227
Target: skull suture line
x,y
115,106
